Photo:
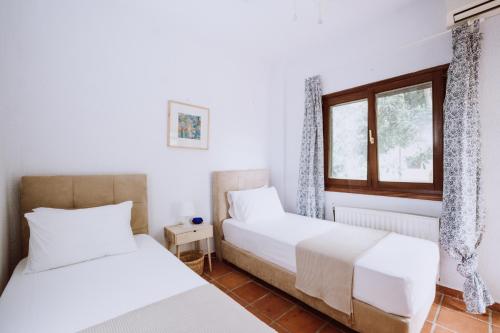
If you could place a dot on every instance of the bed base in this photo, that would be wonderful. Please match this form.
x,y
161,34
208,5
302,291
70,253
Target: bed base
x,y
365,318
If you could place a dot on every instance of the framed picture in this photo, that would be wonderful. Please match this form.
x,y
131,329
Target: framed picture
x,y
188,125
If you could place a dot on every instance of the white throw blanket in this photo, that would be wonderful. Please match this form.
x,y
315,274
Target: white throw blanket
x,y
325,263
203,309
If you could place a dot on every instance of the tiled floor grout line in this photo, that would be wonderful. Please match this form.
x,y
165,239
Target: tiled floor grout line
x,y
326,322
238,286
275,321
258,299
438,310
215,279
232,289
322,326
440,305
490,321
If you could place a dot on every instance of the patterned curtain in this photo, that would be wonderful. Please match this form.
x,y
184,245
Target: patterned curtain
x,y
462,220
311,192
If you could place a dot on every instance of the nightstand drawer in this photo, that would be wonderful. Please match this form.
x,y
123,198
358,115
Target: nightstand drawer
x,y
193,235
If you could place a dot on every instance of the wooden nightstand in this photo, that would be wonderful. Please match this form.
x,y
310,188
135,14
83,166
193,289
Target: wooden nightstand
x,y
180,234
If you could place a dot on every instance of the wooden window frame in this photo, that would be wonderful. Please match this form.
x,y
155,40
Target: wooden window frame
x,y
436,75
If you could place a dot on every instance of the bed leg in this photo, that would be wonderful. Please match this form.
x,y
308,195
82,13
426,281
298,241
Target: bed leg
x,y
209,254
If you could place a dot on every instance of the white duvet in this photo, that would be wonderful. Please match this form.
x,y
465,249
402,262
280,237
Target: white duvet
x,y
75,297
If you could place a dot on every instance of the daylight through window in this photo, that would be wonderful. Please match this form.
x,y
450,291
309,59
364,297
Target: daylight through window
x,y
385,138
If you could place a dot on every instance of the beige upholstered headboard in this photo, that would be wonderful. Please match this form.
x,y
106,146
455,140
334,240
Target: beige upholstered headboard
x,y
224,181
70,192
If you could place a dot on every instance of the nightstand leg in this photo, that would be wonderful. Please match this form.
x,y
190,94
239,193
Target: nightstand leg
x,y
209,254
178,251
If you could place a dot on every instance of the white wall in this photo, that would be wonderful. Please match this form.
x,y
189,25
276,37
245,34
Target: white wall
x,y
395,46
490,120
4,229
84,90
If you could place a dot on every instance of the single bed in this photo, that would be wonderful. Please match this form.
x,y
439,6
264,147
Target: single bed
x,y
403,287
110,294
392,290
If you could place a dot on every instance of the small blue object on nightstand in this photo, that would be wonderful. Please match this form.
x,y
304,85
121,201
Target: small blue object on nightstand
x,y
197,220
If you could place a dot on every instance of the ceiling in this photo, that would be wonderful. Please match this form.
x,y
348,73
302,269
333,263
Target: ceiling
x,y
261,30
266,29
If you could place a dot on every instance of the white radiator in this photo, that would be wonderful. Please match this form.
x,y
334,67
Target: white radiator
x,y
407,224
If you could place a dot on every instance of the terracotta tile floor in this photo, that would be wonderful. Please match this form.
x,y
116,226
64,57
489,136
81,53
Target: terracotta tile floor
x,y
286,314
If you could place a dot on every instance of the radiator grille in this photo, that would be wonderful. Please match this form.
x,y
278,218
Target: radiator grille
x,y
407,224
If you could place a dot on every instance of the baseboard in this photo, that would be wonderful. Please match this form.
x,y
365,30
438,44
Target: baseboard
x,y
495,307
458,294
449,291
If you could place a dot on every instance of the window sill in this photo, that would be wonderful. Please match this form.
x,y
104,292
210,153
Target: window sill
x,y
422,195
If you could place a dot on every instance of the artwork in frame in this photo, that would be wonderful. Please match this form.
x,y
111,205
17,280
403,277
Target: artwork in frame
x,y
188,125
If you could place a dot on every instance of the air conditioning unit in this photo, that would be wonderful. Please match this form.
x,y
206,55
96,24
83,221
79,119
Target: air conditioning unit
x,y
474,9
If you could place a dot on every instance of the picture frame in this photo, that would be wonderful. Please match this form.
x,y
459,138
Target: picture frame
x,y
188,125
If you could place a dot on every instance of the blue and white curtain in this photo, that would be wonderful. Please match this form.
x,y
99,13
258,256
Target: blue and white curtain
x,y
311,192
462,220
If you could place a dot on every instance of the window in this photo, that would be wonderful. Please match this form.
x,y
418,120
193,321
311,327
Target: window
x,y
386,138
349,123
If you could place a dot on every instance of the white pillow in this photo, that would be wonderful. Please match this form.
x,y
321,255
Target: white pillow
x,y
231,210
60,237
255,205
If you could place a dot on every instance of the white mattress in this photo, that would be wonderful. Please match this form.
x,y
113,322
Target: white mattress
x,y
274,240
75,297
398,275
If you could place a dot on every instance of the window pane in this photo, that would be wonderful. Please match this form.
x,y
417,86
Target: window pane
x,y
404,133
348,141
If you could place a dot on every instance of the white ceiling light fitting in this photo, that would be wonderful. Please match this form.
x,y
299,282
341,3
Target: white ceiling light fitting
x,y
295,17
320,13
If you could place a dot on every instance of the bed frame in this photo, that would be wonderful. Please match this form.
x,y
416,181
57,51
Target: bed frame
x,y
70,192
365,318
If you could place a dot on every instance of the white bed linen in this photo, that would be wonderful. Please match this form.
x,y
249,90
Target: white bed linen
x,y
75,297
397,275
274,240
